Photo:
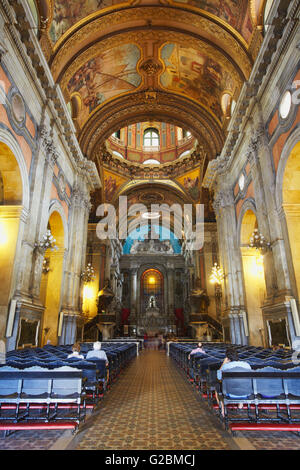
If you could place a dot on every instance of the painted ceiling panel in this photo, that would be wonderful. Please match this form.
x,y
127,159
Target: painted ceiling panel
x,y
195,74
106,76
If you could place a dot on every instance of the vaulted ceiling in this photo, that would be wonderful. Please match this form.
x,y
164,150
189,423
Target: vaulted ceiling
x,y
181,62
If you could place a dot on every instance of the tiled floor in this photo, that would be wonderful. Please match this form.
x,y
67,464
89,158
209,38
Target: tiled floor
x,y
152,406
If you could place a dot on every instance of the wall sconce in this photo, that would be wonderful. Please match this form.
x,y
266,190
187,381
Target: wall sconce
x,y
259,242
88,275
217,275
48,242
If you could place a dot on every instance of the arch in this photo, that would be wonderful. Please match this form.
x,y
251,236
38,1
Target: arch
x,y
152,289
55,206
253,274
9,141
288,205
242,232
166,107
13,181
52,278
288,147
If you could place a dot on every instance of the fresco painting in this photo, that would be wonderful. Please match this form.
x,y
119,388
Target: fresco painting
x,y
66,14
112,183
231,11
193,73
190,182
106,76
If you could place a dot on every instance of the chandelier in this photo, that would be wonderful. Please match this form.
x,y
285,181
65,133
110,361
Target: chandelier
x,y
88,275
217,275
258,241
48,242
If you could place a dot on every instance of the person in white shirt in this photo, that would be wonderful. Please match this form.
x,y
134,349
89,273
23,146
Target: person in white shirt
x,y
97,353
75,352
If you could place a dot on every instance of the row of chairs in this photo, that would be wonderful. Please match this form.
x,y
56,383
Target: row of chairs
x,y
269,395
42,389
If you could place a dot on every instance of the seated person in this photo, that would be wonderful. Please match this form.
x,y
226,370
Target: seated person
x,y
199,349
75,352
231,360
97,353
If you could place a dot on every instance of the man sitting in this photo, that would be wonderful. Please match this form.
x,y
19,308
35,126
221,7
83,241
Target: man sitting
x,y
97,353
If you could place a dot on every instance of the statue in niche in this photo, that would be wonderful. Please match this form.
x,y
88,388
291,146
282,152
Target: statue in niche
x,y
152,302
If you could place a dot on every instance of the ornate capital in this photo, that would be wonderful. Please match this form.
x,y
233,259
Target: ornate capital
x,y
222,199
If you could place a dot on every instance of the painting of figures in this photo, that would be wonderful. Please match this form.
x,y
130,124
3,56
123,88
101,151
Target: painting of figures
x,y
231,11
106,76
190,182
193,73
68,13
112,183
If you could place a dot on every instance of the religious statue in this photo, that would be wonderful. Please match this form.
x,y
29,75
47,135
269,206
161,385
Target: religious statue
x,y
152,303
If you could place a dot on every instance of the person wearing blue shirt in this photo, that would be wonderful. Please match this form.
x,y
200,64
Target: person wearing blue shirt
x,y
231,361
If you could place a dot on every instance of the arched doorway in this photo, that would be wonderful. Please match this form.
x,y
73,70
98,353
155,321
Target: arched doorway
x,y
11,205
152,290
51,283
291,207
254,280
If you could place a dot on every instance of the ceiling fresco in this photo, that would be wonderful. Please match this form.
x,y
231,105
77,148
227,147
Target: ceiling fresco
x,y
66,14
180,62
235,12
195,74
104,77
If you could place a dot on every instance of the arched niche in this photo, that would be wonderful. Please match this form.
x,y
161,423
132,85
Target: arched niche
x,y
291,207
11,205
254,277
52,278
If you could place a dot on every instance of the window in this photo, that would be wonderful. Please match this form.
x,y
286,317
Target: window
x,y
285,105
151,137
151,162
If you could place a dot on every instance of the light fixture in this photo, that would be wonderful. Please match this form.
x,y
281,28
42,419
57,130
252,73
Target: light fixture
x,y
48,242
258,241
151,280
217,275
285,104
88,293
151,215
88,275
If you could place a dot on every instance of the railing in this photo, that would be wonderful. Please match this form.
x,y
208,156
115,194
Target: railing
x,y
151,149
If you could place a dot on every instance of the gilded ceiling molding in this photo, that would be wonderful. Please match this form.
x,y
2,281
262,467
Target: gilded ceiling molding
x,y
257,18
204,33
159,105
